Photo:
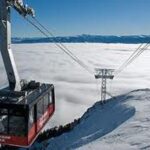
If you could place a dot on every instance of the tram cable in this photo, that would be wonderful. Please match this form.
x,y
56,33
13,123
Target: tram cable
x,y
48,34
138,54
53,36
60,44
132,57
141,48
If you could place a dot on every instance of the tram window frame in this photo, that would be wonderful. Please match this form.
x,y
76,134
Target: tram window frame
x,y
31,122
46,101
50,97
40,108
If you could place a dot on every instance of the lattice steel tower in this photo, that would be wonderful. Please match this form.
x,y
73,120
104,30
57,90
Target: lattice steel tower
x,y
104,74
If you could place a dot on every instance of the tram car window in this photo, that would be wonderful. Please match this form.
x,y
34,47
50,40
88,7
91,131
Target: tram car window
x,y
40,108
46,102
50,98
17,126
31,117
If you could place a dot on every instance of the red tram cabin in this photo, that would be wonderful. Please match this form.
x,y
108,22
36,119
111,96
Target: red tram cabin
x,y
23,114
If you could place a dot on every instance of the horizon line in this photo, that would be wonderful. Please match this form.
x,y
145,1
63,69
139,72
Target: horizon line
x,y
63,36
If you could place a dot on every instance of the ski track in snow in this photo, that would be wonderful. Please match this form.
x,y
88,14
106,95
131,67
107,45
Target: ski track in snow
x,y
76,90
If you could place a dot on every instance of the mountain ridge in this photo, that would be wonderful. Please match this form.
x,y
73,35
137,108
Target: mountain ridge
x,y
127,39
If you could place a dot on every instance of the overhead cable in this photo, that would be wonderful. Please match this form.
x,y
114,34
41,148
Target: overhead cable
x,y
132,57
47,34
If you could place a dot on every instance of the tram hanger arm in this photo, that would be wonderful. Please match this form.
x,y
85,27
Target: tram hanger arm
x,y
5,43
21,8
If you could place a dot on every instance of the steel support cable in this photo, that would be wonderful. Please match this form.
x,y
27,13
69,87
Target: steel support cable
x,y
142,50
59,43
132,58
122,66
134,55
52,35
139,53
66,50
63,49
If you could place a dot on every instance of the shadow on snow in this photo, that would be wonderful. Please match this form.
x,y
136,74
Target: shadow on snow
x,y
98,121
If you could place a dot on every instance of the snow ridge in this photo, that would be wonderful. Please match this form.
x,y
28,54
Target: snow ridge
x,y
134,133
98,121
87,38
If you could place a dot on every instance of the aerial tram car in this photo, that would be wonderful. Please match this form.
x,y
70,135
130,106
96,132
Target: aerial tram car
x,y
25,107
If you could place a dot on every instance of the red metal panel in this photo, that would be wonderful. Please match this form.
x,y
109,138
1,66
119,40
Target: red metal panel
x,y
32,133
40,124
45,117
13,140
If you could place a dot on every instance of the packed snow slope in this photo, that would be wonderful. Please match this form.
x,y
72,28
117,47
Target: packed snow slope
x,y
135,132
123,123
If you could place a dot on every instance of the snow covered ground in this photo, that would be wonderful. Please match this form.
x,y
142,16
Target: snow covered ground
x,y
133,134
121,124
76,90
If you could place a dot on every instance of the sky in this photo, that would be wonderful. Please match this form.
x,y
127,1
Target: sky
x,y
76,17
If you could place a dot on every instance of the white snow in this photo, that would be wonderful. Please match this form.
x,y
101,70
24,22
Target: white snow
x,y
76,90
132,134
98,121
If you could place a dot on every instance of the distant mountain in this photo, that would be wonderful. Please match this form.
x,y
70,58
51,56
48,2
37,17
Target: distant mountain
x,y
134,39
